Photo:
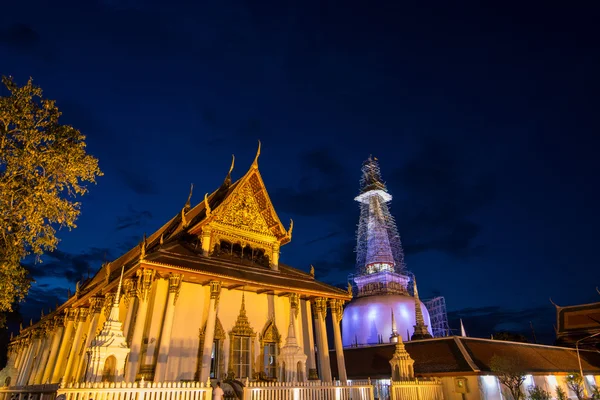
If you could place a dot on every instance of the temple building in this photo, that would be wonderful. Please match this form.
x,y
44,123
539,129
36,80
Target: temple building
x,y
205,297
578,325
383,309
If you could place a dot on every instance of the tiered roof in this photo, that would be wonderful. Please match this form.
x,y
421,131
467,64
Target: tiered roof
x,y
175,247
463,356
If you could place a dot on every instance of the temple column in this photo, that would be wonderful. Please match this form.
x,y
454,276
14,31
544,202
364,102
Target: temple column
x,y
144,284
94,310
21,352
59,327
322,345
74,354
209,333
65,344
309,342
205,239
35,348
44,353
27,353
165,335
336,316
131,302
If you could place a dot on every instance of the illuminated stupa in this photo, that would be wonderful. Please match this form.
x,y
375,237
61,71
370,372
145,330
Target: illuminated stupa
x,y
383,299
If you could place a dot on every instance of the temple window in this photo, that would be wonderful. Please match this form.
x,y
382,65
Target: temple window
x,y
214,360
270,359
241,356
269,342
242,342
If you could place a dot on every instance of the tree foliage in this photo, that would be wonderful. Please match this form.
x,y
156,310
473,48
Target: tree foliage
x,y
575,384
561,394
538,393
43,167
510,374
510,336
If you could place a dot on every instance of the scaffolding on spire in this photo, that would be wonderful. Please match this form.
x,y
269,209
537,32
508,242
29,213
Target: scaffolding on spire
x,y
438,316
373,200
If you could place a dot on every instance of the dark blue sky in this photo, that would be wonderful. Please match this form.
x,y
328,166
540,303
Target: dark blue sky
x,y
484,119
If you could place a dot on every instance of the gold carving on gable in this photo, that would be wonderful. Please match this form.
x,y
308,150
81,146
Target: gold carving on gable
x,y
244,212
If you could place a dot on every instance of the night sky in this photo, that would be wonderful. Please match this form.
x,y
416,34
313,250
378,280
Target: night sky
x,y
484,119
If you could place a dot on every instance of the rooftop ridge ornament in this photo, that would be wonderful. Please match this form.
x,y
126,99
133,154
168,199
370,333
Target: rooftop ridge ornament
x,y
255,162
143,248
291,228
228,177
188,203
184,221
312,271
207,206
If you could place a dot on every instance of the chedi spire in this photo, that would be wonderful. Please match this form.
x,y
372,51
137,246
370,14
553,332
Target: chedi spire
x,y
421,331
378,246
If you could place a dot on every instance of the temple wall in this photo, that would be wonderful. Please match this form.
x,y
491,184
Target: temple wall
x,y
154,321
190,316
450,393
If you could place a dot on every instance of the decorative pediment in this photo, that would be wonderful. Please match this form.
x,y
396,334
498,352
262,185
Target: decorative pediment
x,y
242,210
249,209
242,325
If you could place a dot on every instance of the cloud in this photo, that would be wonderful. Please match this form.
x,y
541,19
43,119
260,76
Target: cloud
x,y
72,267
484,321
137,182
321,238
133,219
323,189
439,196
21,36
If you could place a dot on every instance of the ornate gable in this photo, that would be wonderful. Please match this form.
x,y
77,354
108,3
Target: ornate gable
x,y
243,211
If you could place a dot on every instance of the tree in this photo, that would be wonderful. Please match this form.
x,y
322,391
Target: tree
x,y
510,374
43,167
537,393
510,336
575,383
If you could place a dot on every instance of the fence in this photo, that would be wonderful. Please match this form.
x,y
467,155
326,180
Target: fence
x,y
415,389
311,390
32,392
135,391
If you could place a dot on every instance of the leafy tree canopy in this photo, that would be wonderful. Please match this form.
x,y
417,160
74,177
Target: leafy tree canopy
x,y
43,168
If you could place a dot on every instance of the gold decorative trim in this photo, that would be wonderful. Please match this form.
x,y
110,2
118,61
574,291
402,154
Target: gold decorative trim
x,y
175,285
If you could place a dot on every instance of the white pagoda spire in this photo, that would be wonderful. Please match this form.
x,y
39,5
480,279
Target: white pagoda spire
x,y
108,350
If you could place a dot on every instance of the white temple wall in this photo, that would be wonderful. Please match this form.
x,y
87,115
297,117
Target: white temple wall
x,y
191,311
450,393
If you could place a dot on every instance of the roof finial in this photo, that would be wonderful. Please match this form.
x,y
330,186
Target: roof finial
x,y
143,248
184,221
289,232
206,205
188,203
312,270
597,290
232,164
255,163
228,177
349,288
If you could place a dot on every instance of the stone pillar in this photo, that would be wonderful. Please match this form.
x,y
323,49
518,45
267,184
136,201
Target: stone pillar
x,y
205,238
57,373
144,284
165,335
336,315
309,342
28,349
94,310
59,327
275,257
322,345
35,348
69,374
209,333
131,303
21,351
44,353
